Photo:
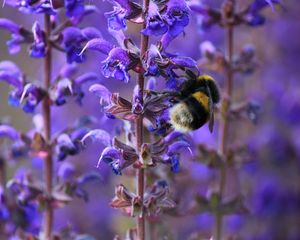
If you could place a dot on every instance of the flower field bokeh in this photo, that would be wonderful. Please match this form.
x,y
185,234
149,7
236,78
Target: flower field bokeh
x,y
262,189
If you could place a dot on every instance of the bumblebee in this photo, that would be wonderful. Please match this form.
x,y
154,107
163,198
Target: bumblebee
x,y
195,103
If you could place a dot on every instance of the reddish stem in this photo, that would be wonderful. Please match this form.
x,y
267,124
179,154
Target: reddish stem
x,y
139,132
224,127
48,168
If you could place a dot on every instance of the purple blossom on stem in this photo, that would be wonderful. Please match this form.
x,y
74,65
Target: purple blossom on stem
x,y
73,38
160,63
118,61
176,16
9,132
155,23
170,21
30,96
206,16
116,65
123,10
17,35
102,92
74,8
29,7
119,156
253,15
88,9
38,48
70,144
113,158
4,210
69,86
11,74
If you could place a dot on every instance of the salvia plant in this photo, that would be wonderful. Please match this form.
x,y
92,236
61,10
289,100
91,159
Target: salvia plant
x,y
147,147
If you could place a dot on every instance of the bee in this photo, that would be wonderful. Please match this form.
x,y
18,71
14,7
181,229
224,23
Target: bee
x,y
195,103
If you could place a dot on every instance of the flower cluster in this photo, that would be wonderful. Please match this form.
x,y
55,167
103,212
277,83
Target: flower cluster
x,y
250,15
25,196
177,174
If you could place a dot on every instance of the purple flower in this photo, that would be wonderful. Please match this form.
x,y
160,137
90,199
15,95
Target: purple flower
x,y
170,21
30,94
11,74
4,211
160,63
17,38
66,171
258,5
206,16
65,147
175,164
98,135
25,187
68,86
155,24
176,16
162,124
73,39
116,65
109,155
29,7
77,18
18,147
123,10
253,15
102,92
38,48
118,156
118,61
176,142
9,132
116,18
113,158
74,8
70,144
20,36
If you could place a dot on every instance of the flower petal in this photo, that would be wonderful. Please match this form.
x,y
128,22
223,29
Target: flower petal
x,y
98,44
10,132
10,73
66,171
86,77
91,33
102,92
9,25
177,146
185,62
98,135
68,70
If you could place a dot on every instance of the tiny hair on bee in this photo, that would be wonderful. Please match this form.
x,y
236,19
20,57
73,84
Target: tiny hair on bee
x,y
196,100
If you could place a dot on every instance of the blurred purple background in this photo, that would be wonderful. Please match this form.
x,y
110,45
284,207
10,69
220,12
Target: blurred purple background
x,y
270,182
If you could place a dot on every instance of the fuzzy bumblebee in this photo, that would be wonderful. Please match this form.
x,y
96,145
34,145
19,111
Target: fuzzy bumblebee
x,y
196,102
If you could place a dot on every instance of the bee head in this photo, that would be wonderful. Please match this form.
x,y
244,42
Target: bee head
x,y
205,77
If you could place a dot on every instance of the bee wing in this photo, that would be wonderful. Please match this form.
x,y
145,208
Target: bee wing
x,y
211,111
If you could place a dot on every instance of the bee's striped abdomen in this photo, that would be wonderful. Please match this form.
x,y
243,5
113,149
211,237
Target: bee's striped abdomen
x,y
198,110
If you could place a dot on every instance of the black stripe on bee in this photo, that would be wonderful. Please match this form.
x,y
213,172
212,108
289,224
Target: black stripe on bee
x,y
198,111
